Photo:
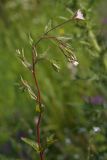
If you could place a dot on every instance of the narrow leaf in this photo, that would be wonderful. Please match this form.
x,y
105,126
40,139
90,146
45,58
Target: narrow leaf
x,y
48,26
33,144
70,11
55,66
64,18
23,60
31,40
30,91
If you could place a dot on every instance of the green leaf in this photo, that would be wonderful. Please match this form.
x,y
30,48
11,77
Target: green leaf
x,y
48,26
70,11
50,140
85,43
31,40
63,18
94,41
30,91
33,144
55,66
23,60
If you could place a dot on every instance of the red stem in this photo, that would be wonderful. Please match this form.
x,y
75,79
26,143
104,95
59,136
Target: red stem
x,y
37,86
39,101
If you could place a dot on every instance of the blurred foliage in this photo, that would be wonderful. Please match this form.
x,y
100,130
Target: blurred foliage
x,y
76,107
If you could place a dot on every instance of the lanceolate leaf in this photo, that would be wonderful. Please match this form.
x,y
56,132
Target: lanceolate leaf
x,y
23,59
30,91
31,143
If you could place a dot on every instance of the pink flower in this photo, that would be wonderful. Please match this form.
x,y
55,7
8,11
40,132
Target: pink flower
x,y
79,15
75,63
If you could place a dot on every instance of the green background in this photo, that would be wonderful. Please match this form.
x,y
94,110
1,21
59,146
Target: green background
x,y
68,114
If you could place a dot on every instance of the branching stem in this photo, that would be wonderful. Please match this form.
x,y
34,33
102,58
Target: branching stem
x,y
57,26
37,86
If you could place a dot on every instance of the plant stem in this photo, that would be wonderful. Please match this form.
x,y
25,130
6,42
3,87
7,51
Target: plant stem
x,y
37,86
39,102
57,26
